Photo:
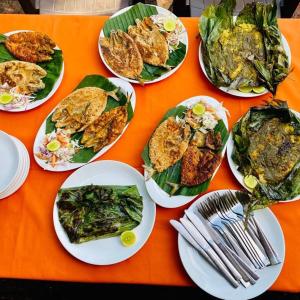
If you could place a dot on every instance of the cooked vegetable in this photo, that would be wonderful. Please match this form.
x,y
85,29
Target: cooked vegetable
x,y
267,146
92,212
244,53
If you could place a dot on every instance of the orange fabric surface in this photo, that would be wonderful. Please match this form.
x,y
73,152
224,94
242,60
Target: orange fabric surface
x,y
29,246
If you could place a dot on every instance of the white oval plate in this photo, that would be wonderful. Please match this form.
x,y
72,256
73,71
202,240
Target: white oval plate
x,y
183,38
208,279
37,103
109,250
237,92
234,167
159,195
126,88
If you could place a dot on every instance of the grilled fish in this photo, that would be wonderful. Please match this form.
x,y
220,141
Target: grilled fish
x,y
30,46
150,41
122,55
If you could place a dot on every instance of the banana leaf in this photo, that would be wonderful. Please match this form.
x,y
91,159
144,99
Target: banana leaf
x,y
53,69
172,174
93,212
123,21
84,155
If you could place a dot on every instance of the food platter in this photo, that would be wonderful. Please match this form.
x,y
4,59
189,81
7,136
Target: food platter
x,y
208,279
107,251
160,196
127,91
183,38
56,71
234,167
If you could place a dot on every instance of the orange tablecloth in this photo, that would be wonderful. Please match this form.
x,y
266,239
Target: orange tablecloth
x,y
29,247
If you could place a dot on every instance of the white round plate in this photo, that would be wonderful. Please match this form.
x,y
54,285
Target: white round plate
x,y
159,195
234,167
208,279
183,39
37,103
109,250
9,161
237,92
126,88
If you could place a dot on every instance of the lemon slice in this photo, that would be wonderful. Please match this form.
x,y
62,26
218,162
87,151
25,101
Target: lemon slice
x,y
245,89
259,89
128,238
169,24
198,109
54,145
6,98
250,181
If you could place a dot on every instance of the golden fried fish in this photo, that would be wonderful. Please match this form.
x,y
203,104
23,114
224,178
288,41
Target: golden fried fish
x,y
168,144
150,41
30,46
105,129
25,77
81,108
198,165
122,55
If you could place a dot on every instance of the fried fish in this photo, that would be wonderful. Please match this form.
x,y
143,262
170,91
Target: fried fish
x,y
198,165
168,144
81,108
30,46
105,129
25,77
150,41
122,55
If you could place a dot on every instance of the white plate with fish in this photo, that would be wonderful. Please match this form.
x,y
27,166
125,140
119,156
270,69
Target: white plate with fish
x,y
149,65
23,95
172,180
107,250
76,133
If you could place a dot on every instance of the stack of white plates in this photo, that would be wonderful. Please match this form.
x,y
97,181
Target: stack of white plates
x,y
14,164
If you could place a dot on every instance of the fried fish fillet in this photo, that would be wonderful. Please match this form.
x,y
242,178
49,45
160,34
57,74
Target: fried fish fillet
x,y
168,144
150,41
105,129
30,46
81,108
198,165
122,55
26,77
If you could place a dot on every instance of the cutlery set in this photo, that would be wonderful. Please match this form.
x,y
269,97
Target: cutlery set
x,y
218,230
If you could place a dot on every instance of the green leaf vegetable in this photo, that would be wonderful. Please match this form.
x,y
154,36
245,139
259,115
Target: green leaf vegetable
x,y
93,212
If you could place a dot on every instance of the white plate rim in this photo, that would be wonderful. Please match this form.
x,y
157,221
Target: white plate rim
x,y
160,196
183,245
59,229
236,92
126,87
184,40
233,166
37,103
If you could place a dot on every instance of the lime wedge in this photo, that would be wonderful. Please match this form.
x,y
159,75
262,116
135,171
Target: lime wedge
x,y
128,238
245,89
199,109
54,145
6,98
250,181
259,89
169,24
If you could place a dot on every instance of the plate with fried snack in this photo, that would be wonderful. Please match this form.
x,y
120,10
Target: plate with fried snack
x,y
85,124
185,151
143,43
31,69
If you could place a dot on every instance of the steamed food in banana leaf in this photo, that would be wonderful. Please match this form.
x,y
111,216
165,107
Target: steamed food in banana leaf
x,y
267,146
247,52
92,212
